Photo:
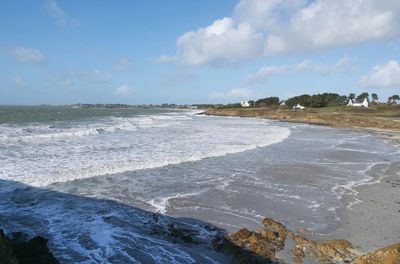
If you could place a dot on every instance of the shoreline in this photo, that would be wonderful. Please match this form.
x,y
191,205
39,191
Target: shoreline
x,y
370,222
382,123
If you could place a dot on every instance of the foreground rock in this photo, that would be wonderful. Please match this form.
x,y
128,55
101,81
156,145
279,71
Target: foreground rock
x,y
6,252
242,247
18,250
387,255
247,246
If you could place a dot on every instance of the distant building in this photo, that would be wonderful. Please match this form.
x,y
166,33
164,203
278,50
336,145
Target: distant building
x,y
298,106
245,103
282,103
355,103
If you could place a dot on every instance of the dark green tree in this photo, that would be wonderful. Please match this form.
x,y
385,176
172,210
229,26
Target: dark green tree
x,y
374,97
268,101
363,96
393,99
352,96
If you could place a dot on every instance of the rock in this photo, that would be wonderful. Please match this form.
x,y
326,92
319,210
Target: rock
x,y
254,242
387,255
238,252
34,251
6,252
17,250
330,251
180,234
275,231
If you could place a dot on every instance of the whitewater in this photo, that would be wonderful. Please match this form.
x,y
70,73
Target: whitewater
x,y
104,185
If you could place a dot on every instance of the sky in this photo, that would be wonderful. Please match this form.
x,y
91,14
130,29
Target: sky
x,y
187,51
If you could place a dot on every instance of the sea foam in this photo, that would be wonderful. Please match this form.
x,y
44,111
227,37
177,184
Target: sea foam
x,y
39,154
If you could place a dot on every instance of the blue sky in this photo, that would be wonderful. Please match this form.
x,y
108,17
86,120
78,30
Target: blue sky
x,y
179,51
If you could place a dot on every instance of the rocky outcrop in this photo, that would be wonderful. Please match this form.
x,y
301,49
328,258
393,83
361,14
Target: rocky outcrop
x,y
327,252
247,246
387,255
18,250
6,251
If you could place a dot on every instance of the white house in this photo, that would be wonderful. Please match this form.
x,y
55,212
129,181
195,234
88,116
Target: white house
x,y
245,103
354,103
298,106
282,103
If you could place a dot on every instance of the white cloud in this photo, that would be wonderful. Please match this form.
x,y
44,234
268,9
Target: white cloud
x,y
237,93
265,72
19,81
382,76
260,28
61,18
123,65
326,23
166,59
26,55
341,66
96,76
223,42
123,90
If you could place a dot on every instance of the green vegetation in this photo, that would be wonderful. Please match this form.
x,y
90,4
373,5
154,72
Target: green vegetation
x,y
268,101
313,101
363,96
393,99
374,97
318,100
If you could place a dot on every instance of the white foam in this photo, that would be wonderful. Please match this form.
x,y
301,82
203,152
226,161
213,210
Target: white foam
x,y
40,154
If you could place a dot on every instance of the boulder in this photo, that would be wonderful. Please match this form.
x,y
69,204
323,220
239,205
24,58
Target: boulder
x,y
387,255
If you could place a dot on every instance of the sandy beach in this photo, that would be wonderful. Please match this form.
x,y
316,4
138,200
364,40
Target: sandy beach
x,y
373,221
370,215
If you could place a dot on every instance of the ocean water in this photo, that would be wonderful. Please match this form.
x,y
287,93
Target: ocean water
x,y
105,185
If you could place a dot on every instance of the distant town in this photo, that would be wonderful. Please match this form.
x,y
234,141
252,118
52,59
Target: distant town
x,y
299,102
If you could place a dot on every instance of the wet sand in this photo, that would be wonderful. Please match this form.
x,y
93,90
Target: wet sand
x,y
370,216
374,222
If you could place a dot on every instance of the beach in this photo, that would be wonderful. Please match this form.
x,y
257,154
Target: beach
x,y
373,221
371,213
129,182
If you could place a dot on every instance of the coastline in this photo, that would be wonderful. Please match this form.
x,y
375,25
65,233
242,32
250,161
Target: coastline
x,y
373,222
381,122
370,223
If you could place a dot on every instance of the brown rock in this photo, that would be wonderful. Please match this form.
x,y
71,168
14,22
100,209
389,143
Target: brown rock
x,y
388,255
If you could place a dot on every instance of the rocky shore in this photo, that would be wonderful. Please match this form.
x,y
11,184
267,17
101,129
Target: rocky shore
x,y
16,249
383,120
241,247
273,237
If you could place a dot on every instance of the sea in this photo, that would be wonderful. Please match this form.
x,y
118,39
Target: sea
x,y
108,185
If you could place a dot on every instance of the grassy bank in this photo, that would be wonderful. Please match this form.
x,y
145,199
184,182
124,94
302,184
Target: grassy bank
x,y
377,117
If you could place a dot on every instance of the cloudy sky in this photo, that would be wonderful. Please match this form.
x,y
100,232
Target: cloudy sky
x,y
207,51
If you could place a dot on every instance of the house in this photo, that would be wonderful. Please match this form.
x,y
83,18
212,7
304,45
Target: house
x,y
245,103
298,106
355,103
282,103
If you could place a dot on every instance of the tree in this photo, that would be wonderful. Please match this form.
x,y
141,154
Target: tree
x,y
268,101
352,96
393,99
363,96
374,97
317,100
